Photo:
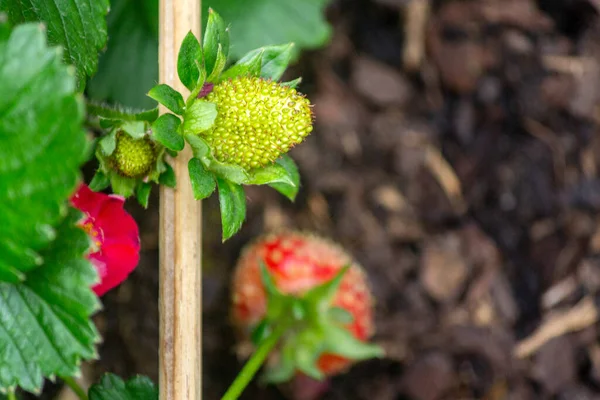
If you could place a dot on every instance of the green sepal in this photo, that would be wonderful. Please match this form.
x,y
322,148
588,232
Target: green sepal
x,y
165,131
272,173
340,315
108,143
100,181
199,84
189,61
341,342
119,113
203,182
215,34
293,83
286,367
232,201
275,60
142,193
289,191
122,185
316,327
135,129
199,117
202,151
168,97
249,66
168,178
321,296
220,62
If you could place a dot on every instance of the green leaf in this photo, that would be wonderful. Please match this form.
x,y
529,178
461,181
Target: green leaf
x,y
165,131
275,60
142,193
190,55
135,129
168,97
167,178
122,185
267,22
219,65
108,143
232,200
322,295
200,148
100,181
120,113
77,25
341,342
272,173
293,84
111,387
42,145
128,69
246,66
216,35
289,191
203,183
199,117
231,172
340,315
45,326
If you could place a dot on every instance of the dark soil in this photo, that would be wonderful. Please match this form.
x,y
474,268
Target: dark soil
x,y
464,178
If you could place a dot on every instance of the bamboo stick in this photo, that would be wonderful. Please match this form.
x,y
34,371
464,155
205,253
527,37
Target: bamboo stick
x,y
180,292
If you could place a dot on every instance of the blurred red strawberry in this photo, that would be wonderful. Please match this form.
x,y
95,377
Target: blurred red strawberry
x,y
318,290
115,238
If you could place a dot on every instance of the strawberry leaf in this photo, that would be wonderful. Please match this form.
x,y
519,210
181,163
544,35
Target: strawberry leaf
x,y
216,35
111,387
45,326
274,60
165,132
232,200
190,56
203,183
247,66
272,173
142,193
289,191
128,69
78,25
42,145
168,97
199,117
269,22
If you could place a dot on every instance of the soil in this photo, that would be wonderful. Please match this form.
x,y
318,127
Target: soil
x,y
456,156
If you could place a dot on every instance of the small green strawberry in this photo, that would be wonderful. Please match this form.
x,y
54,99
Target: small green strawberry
x,y
133,158
258,120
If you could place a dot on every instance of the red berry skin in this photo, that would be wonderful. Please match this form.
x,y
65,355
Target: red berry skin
x,y
298,262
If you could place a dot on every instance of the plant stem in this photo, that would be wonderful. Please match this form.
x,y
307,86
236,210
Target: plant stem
x,y
11,395
253,364
75,387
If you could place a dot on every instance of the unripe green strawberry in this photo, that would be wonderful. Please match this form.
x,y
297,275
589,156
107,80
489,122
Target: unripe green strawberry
x,y
297,264
258,120
133,158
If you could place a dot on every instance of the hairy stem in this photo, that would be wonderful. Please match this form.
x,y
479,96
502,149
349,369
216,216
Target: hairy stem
x,y
253,364
75,387
11,395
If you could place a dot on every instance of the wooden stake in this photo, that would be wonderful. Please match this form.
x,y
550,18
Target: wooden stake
x,y
180,235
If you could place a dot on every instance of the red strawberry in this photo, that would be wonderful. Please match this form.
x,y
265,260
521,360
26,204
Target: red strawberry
x,y
317,290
